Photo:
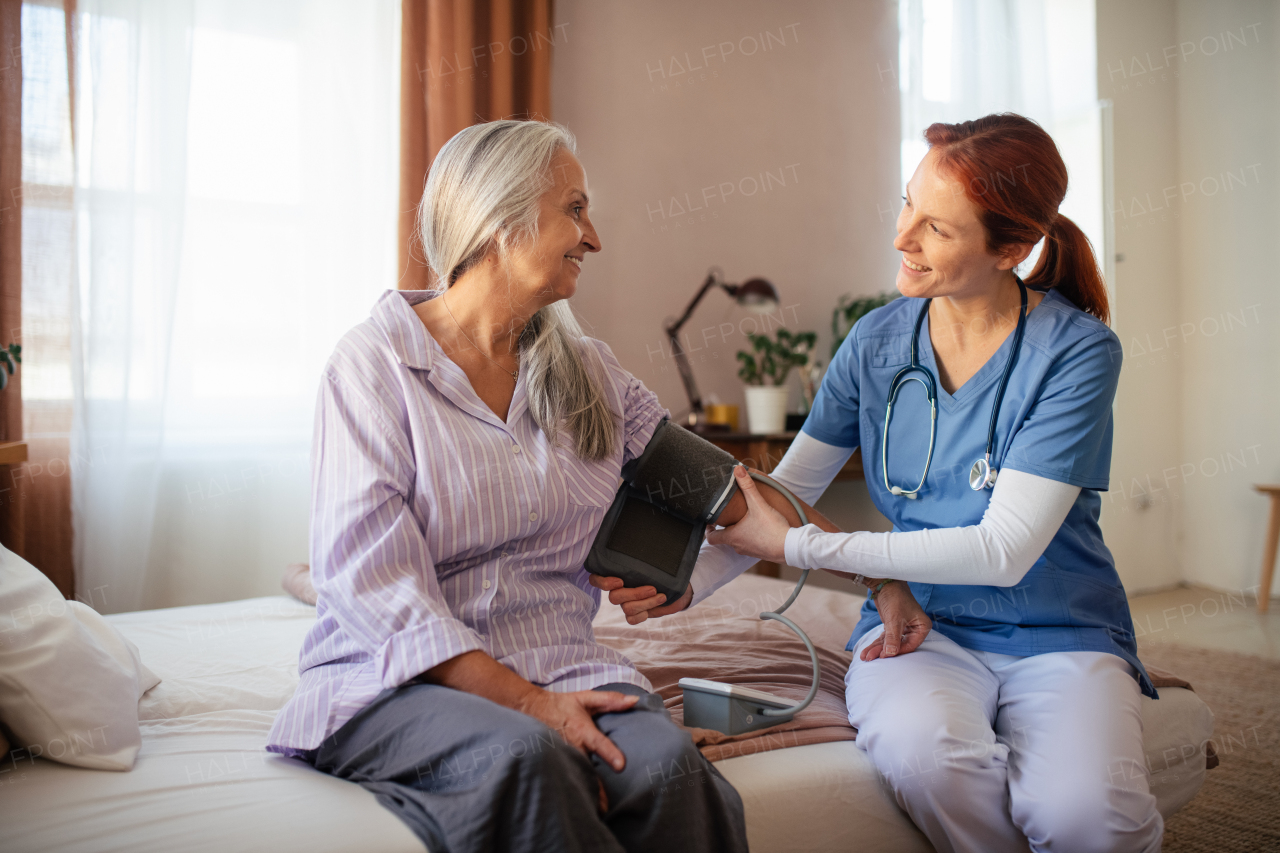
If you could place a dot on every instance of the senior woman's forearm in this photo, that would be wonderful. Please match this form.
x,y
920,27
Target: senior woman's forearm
x,y
717,565
737,508
478,673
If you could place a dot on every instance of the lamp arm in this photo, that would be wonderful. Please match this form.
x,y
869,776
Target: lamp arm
x,y
674,329
686,376
682,361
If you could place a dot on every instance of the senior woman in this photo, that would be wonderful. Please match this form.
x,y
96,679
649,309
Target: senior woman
x,y
467,443
1017,721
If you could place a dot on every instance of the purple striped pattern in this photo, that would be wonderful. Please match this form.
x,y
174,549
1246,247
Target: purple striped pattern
x,y
437,529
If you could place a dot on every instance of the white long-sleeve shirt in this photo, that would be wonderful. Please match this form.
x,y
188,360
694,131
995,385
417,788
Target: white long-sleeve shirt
x,y
1024,514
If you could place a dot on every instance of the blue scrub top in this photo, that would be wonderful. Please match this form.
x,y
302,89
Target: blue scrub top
x,y
1055,422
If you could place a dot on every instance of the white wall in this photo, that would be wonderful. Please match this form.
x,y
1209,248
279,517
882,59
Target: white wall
x,y
1196,89
1229,147
819,109
1139,515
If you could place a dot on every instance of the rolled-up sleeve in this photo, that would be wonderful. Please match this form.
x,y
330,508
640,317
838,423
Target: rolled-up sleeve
x,y
369,560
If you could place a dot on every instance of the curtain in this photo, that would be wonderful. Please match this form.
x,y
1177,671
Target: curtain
x,y
47,251
235,183
11,503
963,59
463,62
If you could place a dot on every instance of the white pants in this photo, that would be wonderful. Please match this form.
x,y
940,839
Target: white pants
x,y
989,752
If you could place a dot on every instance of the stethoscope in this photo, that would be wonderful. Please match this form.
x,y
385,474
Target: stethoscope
x,y
981,475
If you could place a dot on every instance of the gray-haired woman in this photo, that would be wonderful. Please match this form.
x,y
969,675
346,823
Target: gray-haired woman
x,y
467,443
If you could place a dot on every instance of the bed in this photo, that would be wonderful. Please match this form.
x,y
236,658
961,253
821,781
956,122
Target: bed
x,y
203,782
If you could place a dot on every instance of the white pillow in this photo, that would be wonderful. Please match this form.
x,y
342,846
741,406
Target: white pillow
x,y
69,682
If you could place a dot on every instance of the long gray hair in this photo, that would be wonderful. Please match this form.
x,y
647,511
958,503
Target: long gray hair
x,y
483,193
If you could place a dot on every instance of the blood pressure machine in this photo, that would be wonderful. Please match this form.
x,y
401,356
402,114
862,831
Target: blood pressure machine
x,y
650,537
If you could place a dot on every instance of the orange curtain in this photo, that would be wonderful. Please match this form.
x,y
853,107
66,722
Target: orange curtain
x,y
35,240
463,62
11,499
47,423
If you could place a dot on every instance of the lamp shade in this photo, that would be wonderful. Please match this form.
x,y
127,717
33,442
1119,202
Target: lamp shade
x,y
756,294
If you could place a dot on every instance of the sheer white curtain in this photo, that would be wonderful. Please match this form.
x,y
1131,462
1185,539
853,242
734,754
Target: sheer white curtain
x,y
963,59
236,195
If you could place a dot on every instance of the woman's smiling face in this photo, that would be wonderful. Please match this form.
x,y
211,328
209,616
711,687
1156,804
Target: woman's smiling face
x,y
548,269
941,238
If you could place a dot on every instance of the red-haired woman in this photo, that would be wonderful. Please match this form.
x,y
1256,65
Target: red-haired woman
x,y
1017,721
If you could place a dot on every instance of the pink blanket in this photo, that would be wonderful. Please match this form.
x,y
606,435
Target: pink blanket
x,y
723,639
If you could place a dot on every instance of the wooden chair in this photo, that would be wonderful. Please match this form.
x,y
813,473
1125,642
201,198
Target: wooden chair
x,y
1269,548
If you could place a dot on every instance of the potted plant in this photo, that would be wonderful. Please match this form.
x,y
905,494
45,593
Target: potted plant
x,y
849,311
765,369
10,358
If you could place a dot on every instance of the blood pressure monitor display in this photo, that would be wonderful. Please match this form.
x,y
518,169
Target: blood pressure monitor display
x,y
645,544
645,532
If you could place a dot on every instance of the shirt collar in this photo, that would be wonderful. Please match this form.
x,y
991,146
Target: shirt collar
x,y
406,334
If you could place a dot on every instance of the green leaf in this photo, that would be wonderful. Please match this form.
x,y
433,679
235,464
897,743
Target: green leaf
x,y
775,356
849,311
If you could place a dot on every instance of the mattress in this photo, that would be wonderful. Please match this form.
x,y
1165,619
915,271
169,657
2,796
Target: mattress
x,y
203,782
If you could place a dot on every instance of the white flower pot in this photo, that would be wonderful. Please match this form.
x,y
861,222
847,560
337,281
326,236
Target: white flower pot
x,y
766,408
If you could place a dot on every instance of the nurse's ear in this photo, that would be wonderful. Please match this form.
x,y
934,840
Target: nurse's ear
x,y
1012,255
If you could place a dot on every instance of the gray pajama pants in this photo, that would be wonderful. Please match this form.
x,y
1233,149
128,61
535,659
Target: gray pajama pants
x,y
467,774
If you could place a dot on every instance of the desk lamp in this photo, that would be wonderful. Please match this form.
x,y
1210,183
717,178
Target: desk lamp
x,y
754,294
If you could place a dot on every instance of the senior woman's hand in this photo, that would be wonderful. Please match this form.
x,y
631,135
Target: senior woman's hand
x,y
640,602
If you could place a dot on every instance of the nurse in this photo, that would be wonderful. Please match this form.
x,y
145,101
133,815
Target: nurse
x,y
1017,721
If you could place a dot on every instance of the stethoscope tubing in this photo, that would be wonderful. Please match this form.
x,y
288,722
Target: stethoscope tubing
x,y
1008,369
988,477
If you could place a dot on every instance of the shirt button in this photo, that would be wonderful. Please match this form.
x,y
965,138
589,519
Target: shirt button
x,y
533,516
486,584
515,448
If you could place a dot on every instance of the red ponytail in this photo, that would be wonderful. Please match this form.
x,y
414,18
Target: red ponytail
x,y
1011,169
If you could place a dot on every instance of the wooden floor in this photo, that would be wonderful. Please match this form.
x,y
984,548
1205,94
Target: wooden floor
x,y
1204,618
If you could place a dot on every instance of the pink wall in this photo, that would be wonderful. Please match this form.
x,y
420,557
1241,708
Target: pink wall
x,y
800,98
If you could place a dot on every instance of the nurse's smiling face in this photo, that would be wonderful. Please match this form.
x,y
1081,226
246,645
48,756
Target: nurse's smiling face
x,y
942,240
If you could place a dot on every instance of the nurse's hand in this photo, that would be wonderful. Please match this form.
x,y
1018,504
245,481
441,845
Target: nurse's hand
x,y
905,623
640,602
761,533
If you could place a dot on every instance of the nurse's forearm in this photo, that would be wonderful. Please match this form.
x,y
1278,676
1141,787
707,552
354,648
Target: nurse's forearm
x,y
1025,513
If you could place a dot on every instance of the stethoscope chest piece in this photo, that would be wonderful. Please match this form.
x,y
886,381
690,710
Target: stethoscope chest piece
x,y
982,475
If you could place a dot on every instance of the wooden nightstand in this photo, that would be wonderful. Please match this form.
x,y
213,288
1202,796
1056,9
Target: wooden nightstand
x,y
12,527
765,452
13,452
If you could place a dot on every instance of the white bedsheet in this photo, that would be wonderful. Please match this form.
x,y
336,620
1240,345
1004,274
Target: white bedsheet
x,y
203,781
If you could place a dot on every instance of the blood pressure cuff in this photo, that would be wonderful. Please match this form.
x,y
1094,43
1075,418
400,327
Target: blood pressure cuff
x,y
654,527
